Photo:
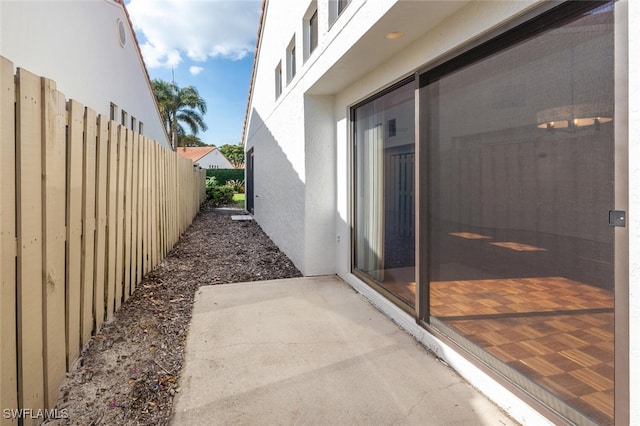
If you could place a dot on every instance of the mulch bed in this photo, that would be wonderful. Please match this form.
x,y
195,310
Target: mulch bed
x,y
130,371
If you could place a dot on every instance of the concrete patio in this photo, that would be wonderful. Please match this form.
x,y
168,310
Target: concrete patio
x,y
313,351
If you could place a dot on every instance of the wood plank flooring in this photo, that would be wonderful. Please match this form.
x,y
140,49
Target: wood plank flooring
x,y
556,331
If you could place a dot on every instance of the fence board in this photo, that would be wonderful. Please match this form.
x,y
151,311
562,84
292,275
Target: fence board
x,y
127,214
88,224
154,205
139,203
8,361
74,227
119,273
30,245
112,203
101,223
54,150
134,211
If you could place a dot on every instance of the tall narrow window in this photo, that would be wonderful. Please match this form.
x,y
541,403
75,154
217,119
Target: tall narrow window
x,y
384,193
278,81
123,118
336,7
341,5
291,59
140,127
133,123
313,31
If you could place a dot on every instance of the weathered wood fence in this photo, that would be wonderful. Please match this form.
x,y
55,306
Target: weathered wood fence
x,y
87,208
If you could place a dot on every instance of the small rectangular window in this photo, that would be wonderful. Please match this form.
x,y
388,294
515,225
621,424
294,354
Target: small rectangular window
x,y
123,118
113,111
140,127
278,80
313,31
391,127
291,59
341,5
336,7
133,123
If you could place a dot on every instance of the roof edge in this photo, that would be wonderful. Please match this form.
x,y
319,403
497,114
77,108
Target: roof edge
x,y
254,69
144,67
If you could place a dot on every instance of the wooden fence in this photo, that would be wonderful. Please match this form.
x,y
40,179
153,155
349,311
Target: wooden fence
x,y
87,208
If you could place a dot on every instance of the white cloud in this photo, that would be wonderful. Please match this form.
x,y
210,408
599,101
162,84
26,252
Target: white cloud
x,y
199,29
194,70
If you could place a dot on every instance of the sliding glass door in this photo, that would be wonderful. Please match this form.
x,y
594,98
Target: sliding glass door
x,y
517,182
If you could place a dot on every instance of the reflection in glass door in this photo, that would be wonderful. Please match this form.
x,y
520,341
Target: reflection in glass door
x,y
384,252
520,148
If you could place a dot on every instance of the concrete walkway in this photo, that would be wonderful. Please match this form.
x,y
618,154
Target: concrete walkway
x,y
313,351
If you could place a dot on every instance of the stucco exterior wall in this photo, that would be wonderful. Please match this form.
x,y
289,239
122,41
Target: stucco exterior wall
x,y
215,160
76,43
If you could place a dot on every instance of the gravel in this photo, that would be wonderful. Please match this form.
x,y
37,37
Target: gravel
x,y
130,371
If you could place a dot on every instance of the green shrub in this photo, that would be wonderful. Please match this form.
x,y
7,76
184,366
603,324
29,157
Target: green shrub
x,y
224,175
220,195
211,182
237,185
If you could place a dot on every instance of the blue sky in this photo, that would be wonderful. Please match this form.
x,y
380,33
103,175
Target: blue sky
x,y
208,44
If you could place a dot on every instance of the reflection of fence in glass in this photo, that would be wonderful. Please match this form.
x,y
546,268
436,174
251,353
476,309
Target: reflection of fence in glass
x,y
87,208
399,169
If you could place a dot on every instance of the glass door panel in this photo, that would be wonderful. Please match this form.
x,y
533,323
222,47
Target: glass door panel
x,y
384,147
520,178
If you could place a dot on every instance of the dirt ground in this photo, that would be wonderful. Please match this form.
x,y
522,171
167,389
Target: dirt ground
x,y
130,371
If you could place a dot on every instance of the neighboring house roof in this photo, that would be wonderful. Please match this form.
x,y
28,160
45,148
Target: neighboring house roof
x,y
194,153
254,69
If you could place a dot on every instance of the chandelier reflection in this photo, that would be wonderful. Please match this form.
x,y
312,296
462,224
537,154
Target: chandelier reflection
x,y
574,117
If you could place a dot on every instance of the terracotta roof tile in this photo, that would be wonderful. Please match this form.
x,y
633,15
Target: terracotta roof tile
x,y
194,153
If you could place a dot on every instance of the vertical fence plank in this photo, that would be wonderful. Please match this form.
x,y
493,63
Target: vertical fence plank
x,y
153,210
119,273
161,203
145,203
101,222
140,191
152,204
112,215
74,228
134,212
88,224
54,152
8,360
127,213
30,244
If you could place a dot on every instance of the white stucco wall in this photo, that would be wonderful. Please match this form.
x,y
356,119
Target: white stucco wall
x,y
76,44
214,160
276,131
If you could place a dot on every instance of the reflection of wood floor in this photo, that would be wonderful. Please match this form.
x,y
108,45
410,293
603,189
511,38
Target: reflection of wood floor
x,y
556,331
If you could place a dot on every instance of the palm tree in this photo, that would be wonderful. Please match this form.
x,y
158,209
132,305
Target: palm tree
x,y
179,107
